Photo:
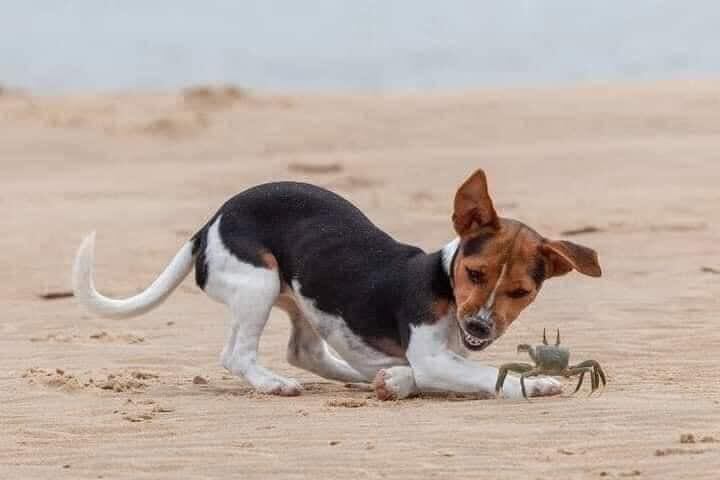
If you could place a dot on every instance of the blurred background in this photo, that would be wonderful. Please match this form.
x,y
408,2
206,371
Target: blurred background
x,y
371,45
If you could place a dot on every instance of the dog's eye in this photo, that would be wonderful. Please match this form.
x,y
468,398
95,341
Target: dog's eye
x,y
476,276
518,293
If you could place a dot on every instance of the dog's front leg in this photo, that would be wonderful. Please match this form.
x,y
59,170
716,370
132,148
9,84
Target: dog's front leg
x,y
435,368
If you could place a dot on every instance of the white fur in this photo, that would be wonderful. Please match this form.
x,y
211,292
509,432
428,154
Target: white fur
x,y
436,368
308,351
333,329
448,252
487,310
249,292
151,297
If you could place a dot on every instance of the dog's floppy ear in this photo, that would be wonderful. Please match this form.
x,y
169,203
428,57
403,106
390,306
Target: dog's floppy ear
x,y
563,256
473,207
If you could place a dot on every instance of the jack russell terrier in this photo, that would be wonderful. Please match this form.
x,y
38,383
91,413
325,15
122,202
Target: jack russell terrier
x,y
394,315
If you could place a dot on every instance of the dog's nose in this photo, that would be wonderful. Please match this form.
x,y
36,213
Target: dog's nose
x,y
478,328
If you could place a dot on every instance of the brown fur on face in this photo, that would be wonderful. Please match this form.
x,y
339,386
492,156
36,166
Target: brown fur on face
x,y
513,245
488,242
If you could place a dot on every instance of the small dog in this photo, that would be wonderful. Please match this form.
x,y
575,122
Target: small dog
x,y
393,314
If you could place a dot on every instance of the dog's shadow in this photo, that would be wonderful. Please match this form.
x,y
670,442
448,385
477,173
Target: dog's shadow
x,y
331,390
239,389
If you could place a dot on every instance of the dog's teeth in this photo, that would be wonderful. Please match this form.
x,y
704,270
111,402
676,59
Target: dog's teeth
x,y
474,341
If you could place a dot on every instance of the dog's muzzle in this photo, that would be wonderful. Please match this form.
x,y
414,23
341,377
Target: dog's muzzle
x,y
478,331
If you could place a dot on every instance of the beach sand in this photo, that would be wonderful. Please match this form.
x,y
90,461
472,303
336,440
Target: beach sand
x,y
86,397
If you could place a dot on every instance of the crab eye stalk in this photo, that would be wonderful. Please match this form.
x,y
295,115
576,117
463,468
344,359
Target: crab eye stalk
x,y
476,276
557,340
545,342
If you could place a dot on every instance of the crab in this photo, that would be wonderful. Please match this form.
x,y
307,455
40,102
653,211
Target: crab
x,y
551,360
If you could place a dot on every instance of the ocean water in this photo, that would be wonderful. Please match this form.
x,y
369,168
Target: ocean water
x,y
362,45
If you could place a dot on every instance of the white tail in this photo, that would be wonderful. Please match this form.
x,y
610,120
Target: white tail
x,y
151,297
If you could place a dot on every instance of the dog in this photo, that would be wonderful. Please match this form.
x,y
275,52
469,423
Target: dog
x,y
363,307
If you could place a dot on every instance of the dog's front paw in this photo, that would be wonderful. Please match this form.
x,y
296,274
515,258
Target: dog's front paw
x,y
394,383
544,387
535,387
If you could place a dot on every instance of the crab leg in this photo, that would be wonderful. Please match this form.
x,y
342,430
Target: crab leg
x,y
597,370
572,371
510,367
532,373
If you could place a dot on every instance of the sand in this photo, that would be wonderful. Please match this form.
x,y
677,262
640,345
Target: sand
x,y
633,171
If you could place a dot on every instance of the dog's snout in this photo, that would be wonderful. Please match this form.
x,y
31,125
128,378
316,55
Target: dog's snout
x,y
478,328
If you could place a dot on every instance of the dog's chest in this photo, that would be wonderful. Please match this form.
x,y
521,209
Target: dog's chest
x,y
335,331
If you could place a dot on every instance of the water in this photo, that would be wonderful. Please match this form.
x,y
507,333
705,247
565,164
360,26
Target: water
x,y
367,45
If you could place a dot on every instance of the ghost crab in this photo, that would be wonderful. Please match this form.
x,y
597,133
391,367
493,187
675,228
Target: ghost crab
x,y
551,360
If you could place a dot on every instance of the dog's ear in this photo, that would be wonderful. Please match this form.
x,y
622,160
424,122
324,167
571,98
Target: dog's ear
x,y
563,256
473,207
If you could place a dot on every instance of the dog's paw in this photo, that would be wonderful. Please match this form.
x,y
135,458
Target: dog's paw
x,y
279,386
535,387
383,388
394,383
544,387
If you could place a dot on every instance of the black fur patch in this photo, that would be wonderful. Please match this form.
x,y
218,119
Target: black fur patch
x,y
199,244
441,286
342,261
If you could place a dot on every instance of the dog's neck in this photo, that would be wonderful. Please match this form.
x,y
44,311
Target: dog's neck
x,y
448,254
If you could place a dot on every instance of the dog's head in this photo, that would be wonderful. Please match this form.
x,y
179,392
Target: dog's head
x,y
500,264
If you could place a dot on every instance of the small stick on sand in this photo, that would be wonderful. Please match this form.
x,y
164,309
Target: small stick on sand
x,y
56,295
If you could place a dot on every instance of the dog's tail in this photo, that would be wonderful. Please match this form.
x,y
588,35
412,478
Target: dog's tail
x,y
151,297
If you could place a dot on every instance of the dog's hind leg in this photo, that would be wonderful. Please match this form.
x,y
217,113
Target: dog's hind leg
x,y
247,324
249,292
307,350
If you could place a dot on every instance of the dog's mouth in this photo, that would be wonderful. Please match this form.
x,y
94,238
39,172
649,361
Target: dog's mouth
x,y
472,342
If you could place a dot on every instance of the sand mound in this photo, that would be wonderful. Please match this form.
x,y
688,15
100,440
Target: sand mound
x,y
213,97
55,338
347,403
125,381
54,378
128,381
175,125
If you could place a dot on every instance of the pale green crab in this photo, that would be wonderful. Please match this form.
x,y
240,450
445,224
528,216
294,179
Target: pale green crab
x,y
551,360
